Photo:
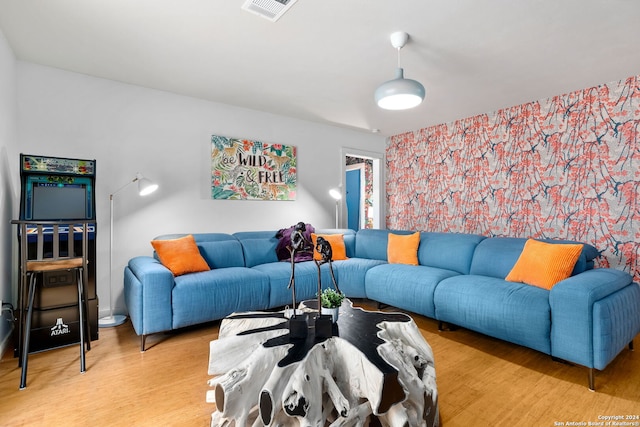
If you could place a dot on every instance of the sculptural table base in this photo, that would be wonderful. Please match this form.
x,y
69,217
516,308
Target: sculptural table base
x,y
376,370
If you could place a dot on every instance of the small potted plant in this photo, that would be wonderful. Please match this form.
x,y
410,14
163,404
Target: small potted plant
x,y
331,301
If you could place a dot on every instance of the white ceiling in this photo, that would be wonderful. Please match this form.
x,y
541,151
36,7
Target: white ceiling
x,y
324,58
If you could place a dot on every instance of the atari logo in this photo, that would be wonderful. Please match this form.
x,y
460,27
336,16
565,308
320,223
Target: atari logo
x,y
60,328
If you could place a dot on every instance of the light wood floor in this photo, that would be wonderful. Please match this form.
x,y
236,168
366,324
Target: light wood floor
x,y
481,382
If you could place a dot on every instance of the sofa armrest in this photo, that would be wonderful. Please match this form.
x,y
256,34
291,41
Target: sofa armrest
x,y
147,293
572,313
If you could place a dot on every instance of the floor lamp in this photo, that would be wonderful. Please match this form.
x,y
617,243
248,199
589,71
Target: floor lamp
x,y
336,196
145,187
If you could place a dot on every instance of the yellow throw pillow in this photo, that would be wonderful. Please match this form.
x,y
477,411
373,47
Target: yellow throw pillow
x,y
403,248
181,255
544,264
338,249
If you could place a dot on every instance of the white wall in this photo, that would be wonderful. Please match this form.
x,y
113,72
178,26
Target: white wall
x,y
8,181
166,137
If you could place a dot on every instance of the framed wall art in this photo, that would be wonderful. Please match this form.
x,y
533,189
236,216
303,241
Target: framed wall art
x,y
243,169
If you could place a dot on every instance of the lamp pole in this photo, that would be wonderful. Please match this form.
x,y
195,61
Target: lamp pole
x,y
337,195
144,187
111,320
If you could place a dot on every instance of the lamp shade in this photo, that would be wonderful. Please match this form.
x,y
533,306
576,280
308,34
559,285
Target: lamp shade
x,y
335,194
145,186
399,93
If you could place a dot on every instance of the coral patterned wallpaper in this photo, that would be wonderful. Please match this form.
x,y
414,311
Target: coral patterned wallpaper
x,y
567,167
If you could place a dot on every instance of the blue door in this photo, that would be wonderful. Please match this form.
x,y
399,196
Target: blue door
x,y
353,199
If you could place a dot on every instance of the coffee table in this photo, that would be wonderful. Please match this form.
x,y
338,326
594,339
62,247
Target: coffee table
x,y
377,369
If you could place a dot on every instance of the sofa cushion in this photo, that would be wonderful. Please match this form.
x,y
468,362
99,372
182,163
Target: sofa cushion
x,y
306,278
544,264
410,287
300,238
450,251
372,244
180,255
338,250
220,250
403,249
510,311
348,235
259,247
351,274
496,256
202,297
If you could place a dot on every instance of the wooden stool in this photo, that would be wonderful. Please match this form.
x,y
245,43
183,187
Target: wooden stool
x,y
31,265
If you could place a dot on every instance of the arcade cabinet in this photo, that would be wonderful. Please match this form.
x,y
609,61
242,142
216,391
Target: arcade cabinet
x,y
58,189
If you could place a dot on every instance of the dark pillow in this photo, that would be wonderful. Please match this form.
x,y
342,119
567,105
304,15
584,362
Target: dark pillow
x,y
284,236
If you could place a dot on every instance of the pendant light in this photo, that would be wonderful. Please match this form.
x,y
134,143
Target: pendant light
x,y
399,93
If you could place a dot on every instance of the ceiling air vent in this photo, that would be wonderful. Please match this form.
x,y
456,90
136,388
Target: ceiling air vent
x,y
269,9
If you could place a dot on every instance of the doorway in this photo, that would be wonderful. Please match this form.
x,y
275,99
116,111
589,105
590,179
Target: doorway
x,y
363,189
356,196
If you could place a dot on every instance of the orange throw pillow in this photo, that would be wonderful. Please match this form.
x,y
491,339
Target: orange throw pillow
x,y
403,248
181,255
544,264
338,249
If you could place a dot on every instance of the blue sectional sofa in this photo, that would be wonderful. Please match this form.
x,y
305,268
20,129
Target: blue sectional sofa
x,y
585,319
